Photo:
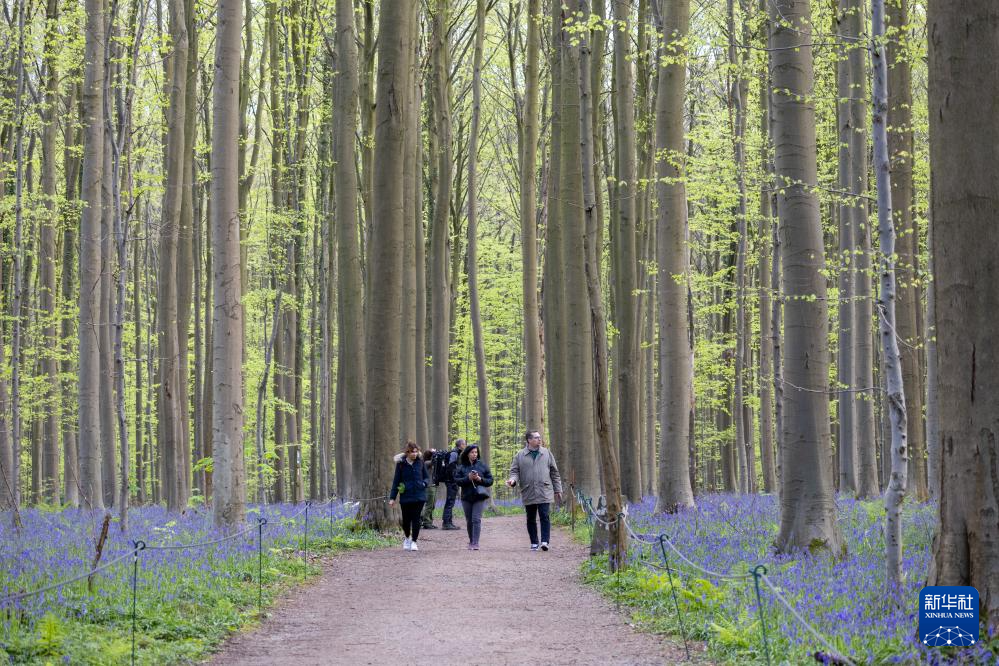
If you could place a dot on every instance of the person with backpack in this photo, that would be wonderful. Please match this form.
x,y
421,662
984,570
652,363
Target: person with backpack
x,y
410,485
474,478
436,462
534,469
452,486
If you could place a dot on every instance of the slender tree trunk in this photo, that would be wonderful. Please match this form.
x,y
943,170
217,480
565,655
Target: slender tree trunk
x,y
934,457
736,95
439,279
886,306
481,381
229,496
47,265
553,291
91,487
534,408
140,460
185,259
352,375
850,121
408,350
610,471
767,329
383,322
908,306
625,194
808,517
672,256
580,442
169,398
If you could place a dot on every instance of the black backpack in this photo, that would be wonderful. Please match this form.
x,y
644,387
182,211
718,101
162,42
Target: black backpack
x,y
439,469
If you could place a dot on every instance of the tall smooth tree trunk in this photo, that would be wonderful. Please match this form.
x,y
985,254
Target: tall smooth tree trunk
x,y
352,383
626,192
808,516
908,306
610,471
552,290
169,404
850,121
481,381
580,440
383,316
534,398
766,291
91,487
229,481
736,98
440,283
963,42
892,379
47,265
411,185
72,163
934,449
672,256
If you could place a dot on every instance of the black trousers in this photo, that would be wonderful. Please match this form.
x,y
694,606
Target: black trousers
x,y
411,518
542,510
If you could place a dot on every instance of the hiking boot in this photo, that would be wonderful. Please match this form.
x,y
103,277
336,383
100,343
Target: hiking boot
x,y
450,526
534,547
413,546
428,526
407,544
544,545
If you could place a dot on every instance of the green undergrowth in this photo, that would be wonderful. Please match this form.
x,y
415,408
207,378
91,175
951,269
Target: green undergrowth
x,y
185,615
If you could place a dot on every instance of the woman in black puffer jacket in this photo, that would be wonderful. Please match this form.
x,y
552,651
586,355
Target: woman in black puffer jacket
x,y
410,483
473,477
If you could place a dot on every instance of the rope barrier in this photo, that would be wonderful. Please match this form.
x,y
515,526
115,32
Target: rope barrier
x,y
780,597
54,586
758,574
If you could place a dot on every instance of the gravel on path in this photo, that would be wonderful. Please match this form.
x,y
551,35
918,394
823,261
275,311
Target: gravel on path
x,y
444,604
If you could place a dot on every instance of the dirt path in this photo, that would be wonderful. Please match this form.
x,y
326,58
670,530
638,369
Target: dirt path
x,y
503,605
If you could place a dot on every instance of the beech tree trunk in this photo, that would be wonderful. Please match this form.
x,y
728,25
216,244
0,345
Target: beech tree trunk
x,y
808,516
481,383
229,481
440,283
963,42
383,316
534,398
675,357
91,487
352,384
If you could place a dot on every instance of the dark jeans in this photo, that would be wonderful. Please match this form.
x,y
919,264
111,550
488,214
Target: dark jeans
x,y
452,495
534,510
411,518
473,519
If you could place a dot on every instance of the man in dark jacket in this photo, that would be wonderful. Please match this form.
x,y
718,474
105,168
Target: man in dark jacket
x,y
452,487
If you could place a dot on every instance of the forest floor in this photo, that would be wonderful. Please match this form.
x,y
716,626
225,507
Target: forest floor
x,y
444,604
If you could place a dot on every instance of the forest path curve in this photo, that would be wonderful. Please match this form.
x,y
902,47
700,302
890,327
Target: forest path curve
x,y
444,604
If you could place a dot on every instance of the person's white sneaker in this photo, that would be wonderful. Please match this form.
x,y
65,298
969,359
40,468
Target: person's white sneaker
x,y
413,546
544,545
407,544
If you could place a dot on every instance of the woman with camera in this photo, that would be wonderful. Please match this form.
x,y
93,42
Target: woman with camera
x,y
474,478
